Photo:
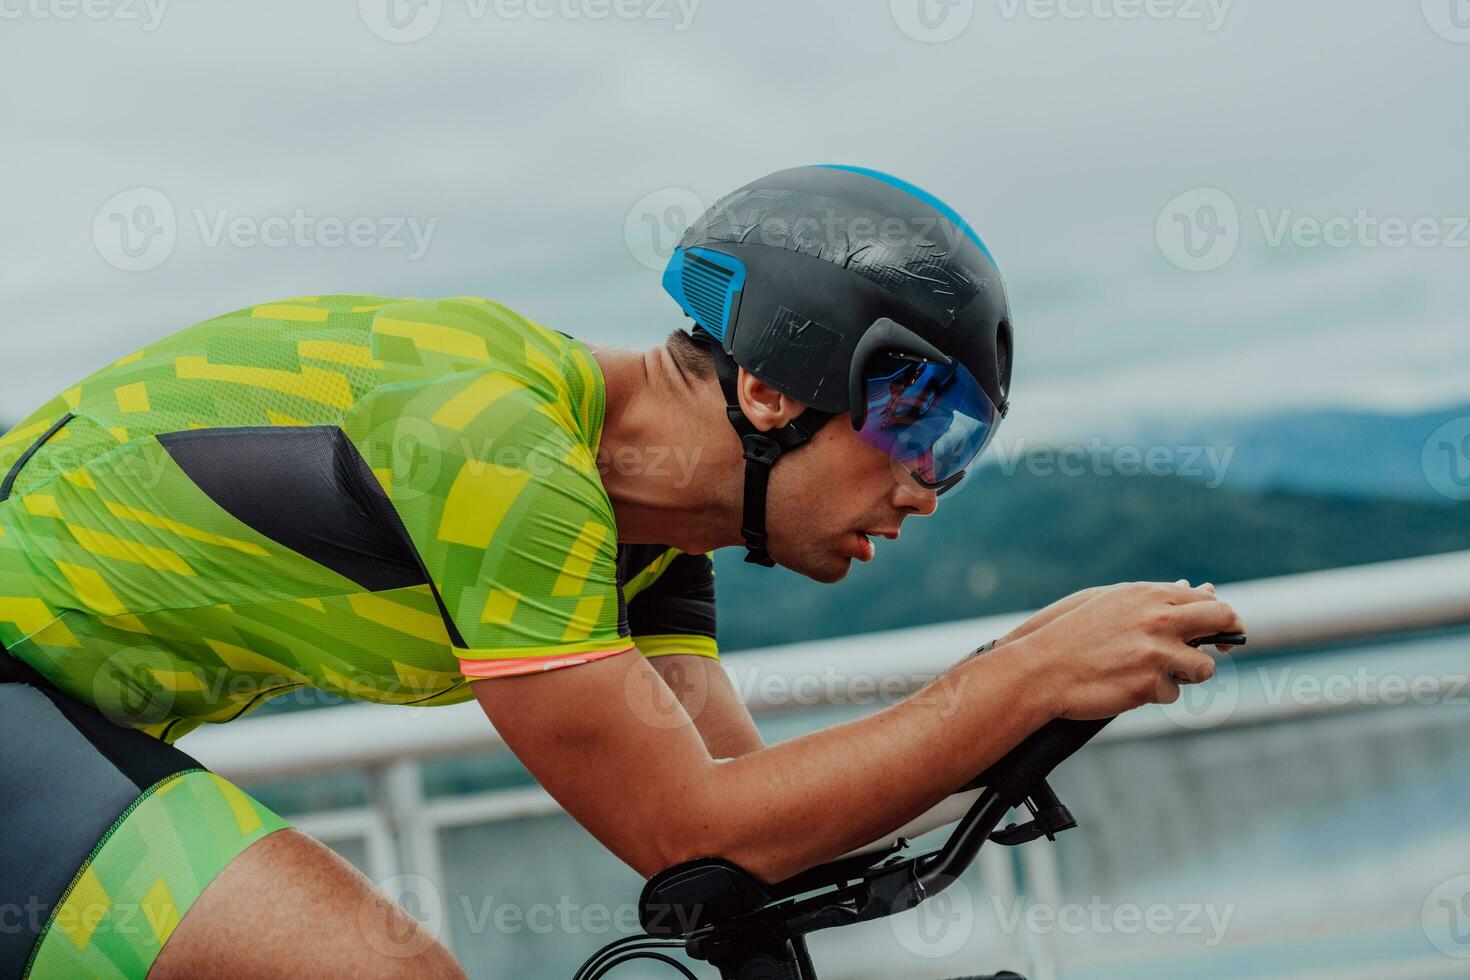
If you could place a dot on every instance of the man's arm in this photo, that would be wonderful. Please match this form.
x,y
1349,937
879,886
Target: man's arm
x,y
704,691
672,619
610,743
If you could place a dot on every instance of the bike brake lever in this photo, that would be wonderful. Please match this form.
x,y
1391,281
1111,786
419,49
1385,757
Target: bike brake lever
x,y
1220,639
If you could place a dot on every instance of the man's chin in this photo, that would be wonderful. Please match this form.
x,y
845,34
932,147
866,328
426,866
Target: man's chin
x,y
827,570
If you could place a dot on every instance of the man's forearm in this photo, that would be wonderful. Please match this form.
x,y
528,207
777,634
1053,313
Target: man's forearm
x,y
713,704
788,807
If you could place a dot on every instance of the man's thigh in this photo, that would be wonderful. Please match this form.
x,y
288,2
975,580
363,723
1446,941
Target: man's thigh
x,y
123,856
290,907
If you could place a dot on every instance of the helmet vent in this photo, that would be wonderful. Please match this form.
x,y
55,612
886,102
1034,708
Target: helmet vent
x,y
707,287
1003,357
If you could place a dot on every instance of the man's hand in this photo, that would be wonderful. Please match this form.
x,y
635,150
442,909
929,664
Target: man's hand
x,y
1127,645
1057,609
1065,605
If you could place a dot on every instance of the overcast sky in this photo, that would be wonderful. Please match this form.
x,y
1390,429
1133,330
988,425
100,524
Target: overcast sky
x,y
167,162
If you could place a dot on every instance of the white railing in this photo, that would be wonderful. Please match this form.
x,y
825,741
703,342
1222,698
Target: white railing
x,y
1293,610
389,743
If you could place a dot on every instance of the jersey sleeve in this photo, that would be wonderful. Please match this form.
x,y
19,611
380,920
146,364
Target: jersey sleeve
x,y
493,476
673,611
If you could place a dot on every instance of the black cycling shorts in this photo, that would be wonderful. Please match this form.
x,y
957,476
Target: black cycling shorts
x,y
109,835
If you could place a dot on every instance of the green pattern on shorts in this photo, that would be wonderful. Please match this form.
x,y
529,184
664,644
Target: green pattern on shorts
x,y
144,875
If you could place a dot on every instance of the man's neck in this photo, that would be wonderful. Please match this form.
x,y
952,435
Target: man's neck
x,y
667,454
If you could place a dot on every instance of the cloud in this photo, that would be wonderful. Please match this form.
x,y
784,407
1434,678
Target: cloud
x,y
529,141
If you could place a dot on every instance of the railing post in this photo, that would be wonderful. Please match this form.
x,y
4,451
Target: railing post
x,y
399,787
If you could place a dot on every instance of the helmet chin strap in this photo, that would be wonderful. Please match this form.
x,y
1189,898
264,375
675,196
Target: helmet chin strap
x,y
762,449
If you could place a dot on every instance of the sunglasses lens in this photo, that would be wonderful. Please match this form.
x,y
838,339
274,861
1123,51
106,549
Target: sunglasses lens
x,y
934,419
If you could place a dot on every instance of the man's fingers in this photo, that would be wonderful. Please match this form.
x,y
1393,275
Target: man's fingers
x,y
1182,593
1192,667
1205,618
1166,691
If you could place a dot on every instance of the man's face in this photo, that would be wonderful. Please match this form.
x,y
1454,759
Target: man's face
x,y
833,498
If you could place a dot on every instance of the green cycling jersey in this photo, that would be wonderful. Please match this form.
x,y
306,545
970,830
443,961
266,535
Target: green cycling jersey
x,y
380,498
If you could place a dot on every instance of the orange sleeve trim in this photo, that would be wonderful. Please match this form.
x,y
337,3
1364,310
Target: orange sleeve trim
x,y
516,666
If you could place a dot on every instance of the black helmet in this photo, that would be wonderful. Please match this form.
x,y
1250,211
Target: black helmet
x,y
819,280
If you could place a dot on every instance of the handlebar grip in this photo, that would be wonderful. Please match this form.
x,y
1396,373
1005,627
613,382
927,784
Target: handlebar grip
x,y
1038,754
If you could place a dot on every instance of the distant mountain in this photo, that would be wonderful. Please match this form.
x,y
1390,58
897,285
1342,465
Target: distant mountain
x,y
1353,453
1303,491
1013,542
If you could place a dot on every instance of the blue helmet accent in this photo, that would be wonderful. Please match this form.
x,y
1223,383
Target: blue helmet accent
x,y
706,285
921,194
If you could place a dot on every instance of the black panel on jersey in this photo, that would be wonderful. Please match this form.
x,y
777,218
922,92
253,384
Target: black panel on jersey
x,y
681,601
306,488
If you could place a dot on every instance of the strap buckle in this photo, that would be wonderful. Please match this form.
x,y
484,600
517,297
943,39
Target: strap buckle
x,y
760,448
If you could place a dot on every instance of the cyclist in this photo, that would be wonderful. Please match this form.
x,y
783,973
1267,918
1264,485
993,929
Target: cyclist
x,y
424,502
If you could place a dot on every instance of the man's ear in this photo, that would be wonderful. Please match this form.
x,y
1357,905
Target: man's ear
x,y
766,407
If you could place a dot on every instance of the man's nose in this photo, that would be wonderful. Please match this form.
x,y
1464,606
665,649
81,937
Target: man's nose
x,y
910,496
